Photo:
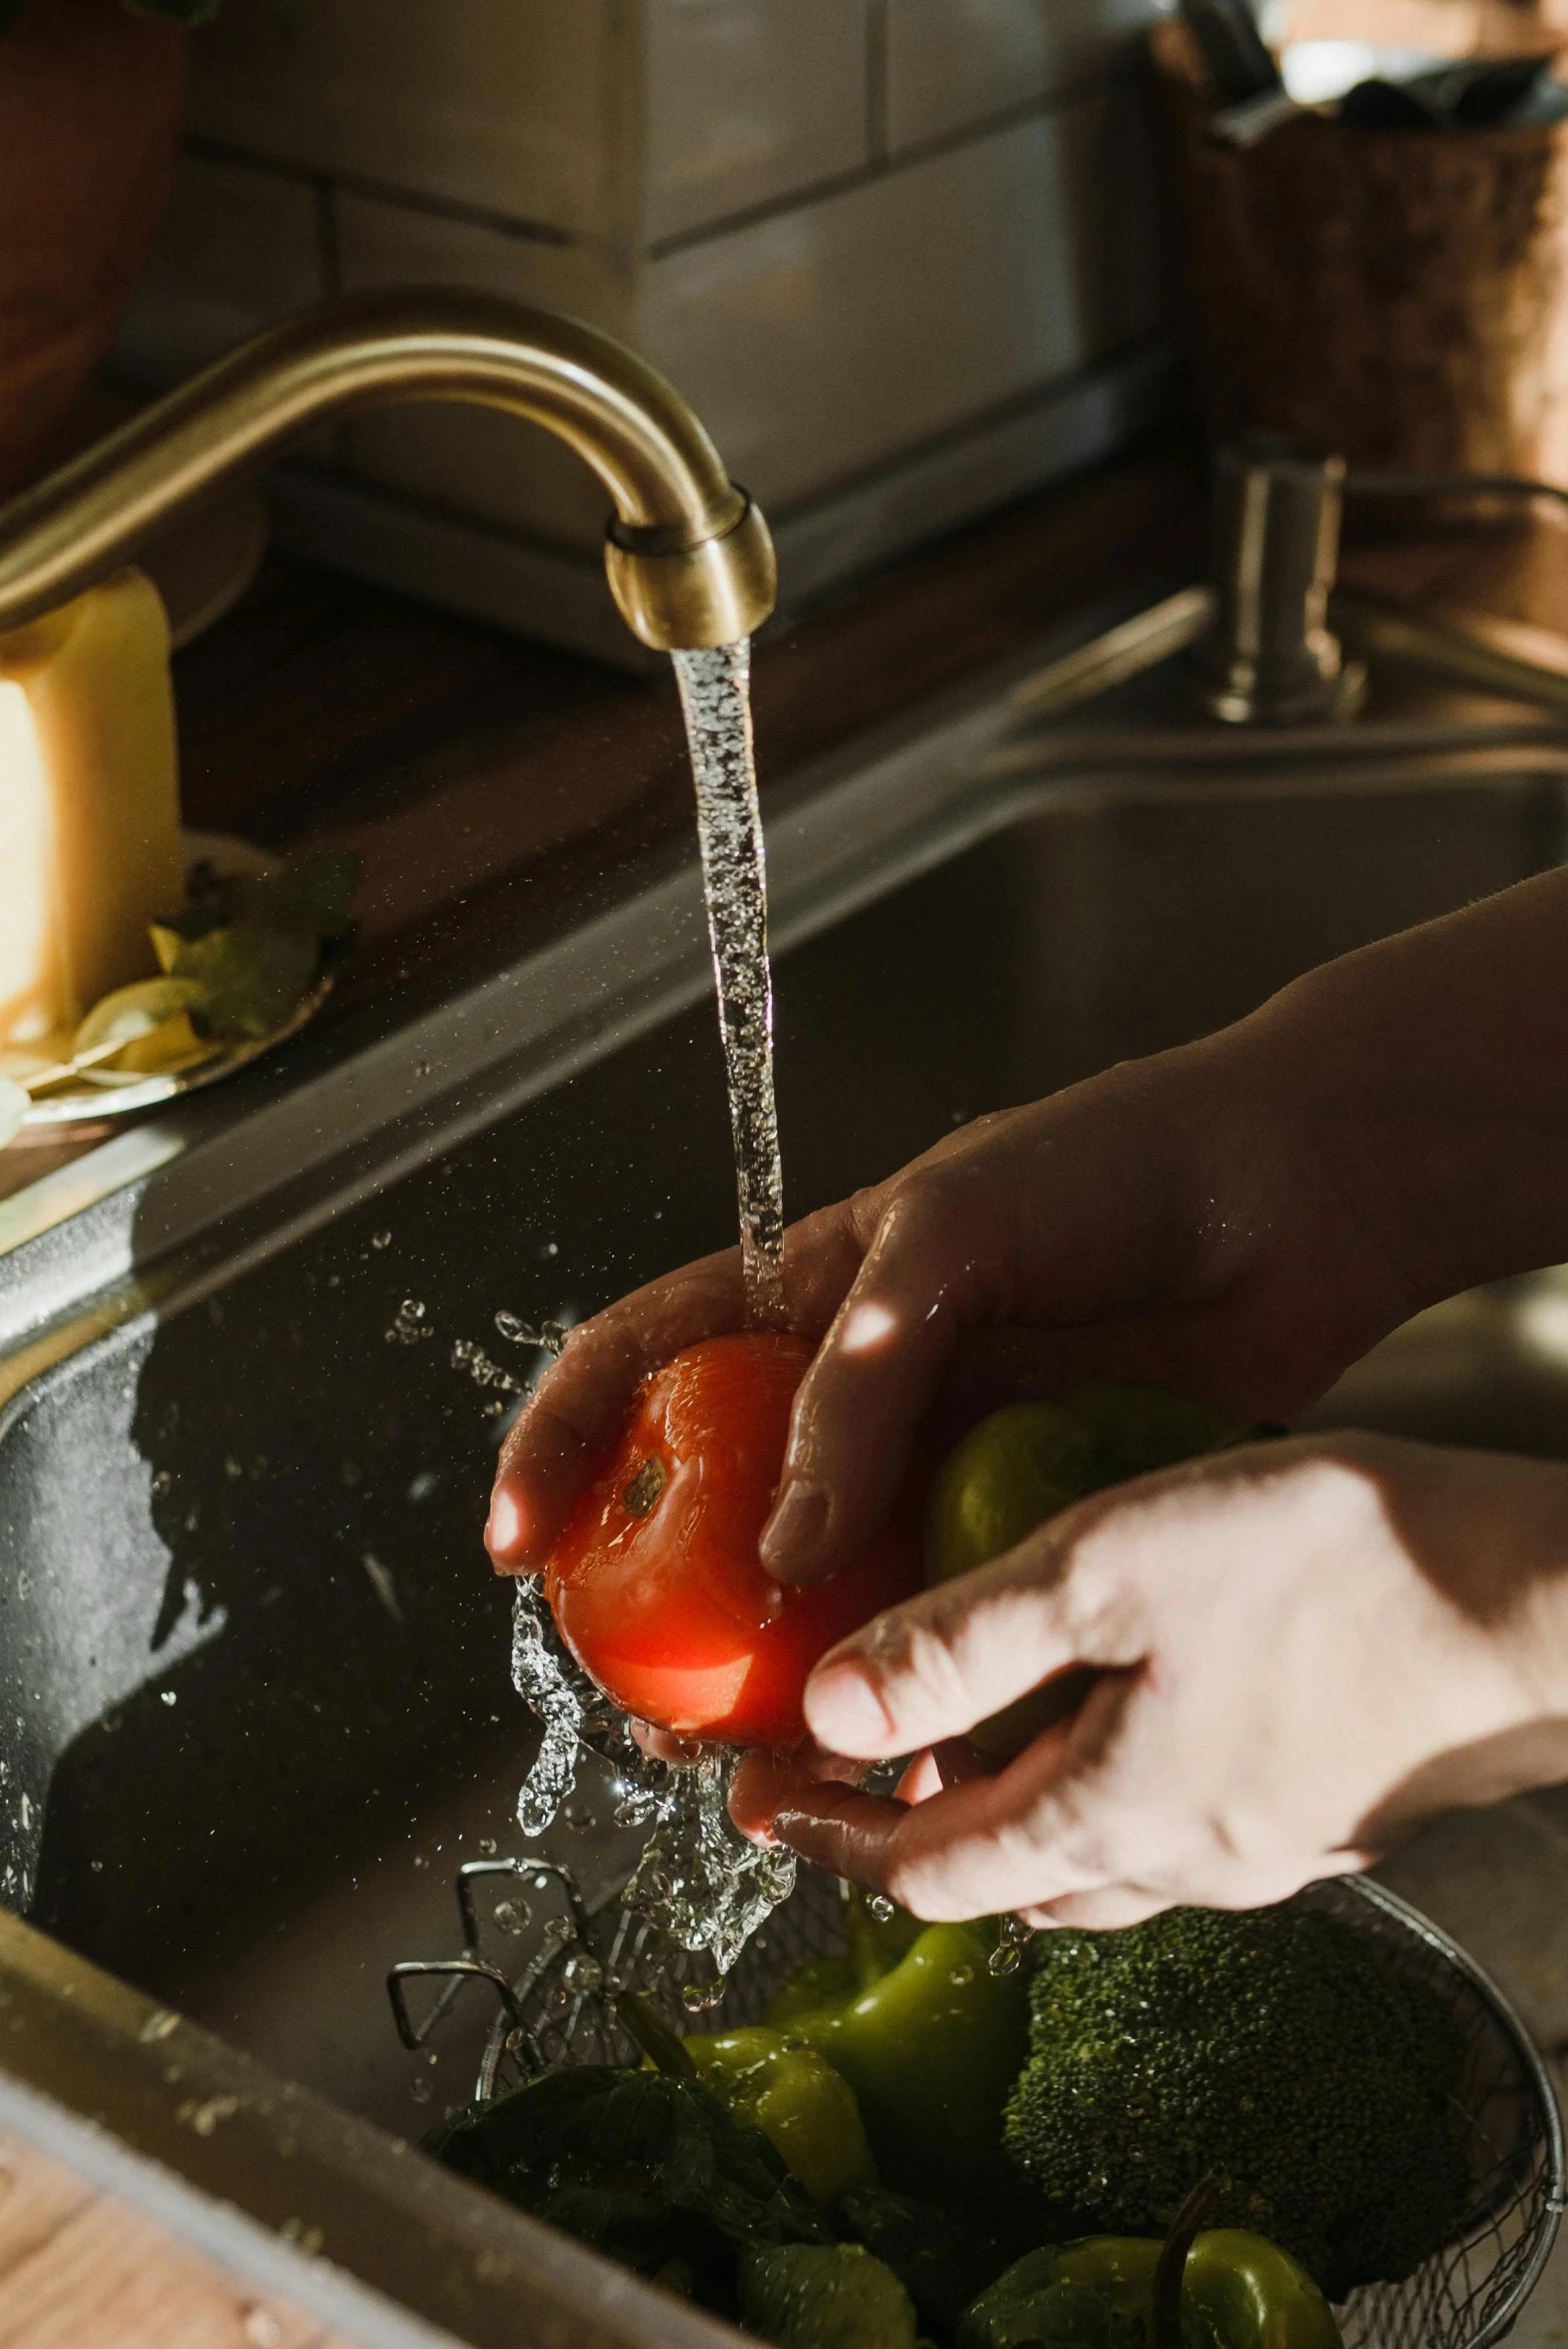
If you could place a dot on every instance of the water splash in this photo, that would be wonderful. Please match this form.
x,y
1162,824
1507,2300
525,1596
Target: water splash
x,y
468,1355
698,1877
548,1336
554,1687
715,695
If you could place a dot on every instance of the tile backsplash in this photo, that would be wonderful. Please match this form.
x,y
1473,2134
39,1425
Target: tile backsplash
x,y
906,257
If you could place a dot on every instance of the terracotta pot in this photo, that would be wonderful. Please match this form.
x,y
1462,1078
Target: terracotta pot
x,y
90,100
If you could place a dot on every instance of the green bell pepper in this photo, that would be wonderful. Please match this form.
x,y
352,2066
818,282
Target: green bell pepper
x,y
1235,2291
1028,1462
931,2044
810,2296
803,2106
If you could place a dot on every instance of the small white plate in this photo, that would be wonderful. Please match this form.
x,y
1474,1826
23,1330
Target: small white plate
x,y
94,1096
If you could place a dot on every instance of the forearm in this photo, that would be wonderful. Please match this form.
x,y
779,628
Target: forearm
x,y
1434,1067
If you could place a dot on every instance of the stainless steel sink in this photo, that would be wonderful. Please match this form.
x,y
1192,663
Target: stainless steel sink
x,y
254,1693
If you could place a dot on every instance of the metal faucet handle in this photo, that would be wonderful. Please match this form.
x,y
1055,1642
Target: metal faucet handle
x,y
1269,656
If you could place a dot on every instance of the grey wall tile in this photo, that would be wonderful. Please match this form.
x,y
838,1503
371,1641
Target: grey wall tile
x,y
823,341
951,63
512,105
746,101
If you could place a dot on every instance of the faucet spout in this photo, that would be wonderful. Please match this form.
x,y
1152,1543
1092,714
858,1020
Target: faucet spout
x,y
688,555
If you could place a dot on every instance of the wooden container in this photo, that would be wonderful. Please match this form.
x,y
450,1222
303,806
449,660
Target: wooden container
x,y
1396,298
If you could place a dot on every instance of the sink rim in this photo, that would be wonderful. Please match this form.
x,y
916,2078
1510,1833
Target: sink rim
x,y
841,834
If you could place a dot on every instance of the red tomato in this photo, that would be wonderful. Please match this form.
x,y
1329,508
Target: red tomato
x,y
656,1584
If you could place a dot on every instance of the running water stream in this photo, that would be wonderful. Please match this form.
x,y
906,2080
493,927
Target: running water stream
x,y
716,697
699,1879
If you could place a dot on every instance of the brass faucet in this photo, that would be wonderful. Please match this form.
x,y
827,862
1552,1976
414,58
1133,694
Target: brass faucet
x,y
688,555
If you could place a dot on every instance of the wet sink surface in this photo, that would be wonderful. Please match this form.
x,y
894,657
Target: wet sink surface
x,y
256,1700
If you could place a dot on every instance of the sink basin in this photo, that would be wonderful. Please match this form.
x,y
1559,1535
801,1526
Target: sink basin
x,y
254,1691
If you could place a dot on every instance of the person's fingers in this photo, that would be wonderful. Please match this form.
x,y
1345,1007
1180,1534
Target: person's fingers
x,y
935,1262
767,1779
988,1844
1046,1827
953,1857
947,1764
580,1405
1106,1910
935,1666
664,1745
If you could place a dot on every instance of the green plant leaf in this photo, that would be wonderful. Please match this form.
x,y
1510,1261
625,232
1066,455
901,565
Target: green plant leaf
x,y
250,978
311,896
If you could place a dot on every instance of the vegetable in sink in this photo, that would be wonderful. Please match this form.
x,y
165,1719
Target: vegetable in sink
x,y
650,2168
1267,2046
931,2042
1232,2290
812,2296
655,1583
1028,1462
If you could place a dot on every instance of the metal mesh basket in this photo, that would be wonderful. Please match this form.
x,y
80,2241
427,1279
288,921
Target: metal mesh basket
x,y
560,2008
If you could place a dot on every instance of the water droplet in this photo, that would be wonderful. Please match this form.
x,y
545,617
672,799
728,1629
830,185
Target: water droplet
x,y
1006,1958
881,1907
162,1483
578,1817
512,1915
699,1998
961,1977
168,1696
583,1973
381,1239
421,2089
487,1846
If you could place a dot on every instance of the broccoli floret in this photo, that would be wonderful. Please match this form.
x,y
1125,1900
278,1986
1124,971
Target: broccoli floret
x,y
1276,2049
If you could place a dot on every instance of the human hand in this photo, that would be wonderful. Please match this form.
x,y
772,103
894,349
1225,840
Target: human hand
x,y
1176,1220
1304,1650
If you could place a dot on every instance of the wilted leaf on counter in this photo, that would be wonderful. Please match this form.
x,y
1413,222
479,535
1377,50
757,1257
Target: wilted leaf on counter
x,y
310,897
250,978
131,1013
168,944
13,1108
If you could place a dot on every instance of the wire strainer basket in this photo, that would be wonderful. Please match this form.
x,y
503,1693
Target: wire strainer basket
x,y
559,2007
